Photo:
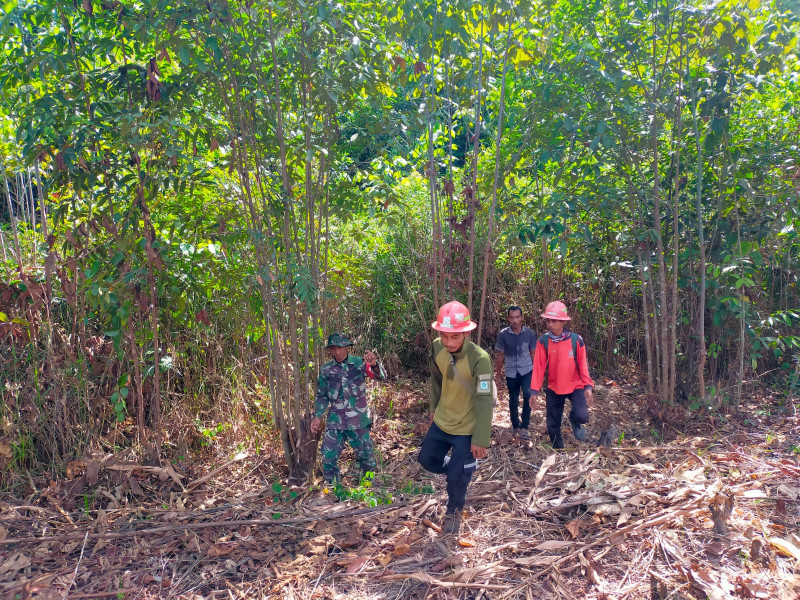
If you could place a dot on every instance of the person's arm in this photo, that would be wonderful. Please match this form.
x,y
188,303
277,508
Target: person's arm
x,y
539,366
583,372
499,359
436,382
483,397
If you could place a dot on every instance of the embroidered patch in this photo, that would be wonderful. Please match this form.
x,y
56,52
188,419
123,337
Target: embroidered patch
x,y
571,354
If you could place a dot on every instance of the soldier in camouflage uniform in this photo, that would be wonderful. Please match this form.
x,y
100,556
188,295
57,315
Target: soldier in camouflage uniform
x,y
342,392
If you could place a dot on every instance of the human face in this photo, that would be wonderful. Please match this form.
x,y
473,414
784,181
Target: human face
x,y
453,341
554,326
339,353
515,320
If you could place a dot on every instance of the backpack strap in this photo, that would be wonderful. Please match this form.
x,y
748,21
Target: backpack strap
x,y
574,338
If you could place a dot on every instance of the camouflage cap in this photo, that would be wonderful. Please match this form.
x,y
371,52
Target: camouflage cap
x,y
338,339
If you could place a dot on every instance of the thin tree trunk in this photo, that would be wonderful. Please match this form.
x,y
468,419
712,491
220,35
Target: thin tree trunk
x,y
137,382
450,188
32,216
41,201
663,325
12,218
743,310
151,259
673,342
646,319
657,349
474,203
49,258
701,309
22,199
435,254
487,251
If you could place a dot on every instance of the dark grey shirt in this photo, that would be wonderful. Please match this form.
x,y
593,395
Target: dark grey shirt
x,y
517,348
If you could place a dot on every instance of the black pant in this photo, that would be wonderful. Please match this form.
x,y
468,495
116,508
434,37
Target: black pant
x,y
514,385
458,470
555,411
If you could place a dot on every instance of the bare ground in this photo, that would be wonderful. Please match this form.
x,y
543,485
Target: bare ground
x,y
705,506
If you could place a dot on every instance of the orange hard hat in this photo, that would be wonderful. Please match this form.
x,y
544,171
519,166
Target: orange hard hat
x,y
454,318
556,311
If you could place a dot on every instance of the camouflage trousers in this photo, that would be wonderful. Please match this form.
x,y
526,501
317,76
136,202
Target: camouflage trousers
x,y
333,443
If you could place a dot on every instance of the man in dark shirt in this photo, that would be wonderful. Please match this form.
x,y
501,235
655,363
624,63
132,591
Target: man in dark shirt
x,y
515,347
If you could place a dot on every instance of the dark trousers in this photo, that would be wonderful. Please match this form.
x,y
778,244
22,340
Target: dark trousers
x,y
555,411
458,470
515,384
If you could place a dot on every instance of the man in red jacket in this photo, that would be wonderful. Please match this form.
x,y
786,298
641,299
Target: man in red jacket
x,y
563,354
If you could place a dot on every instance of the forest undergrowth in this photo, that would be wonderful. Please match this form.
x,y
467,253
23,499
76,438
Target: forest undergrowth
x,y
698,506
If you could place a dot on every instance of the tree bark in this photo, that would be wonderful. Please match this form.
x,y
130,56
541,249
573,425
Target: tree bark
x,y
488,249
474,203
701,309
12,218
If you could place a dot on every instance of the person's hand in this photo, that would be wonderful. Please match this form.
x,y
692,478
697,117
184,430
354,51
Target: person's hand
x,y
316,425
430,418
589,398
371,358
479,451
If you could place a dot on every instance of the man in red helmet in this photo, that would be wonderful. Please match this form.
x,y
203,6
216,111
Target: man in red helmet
x,y
462,394
563,354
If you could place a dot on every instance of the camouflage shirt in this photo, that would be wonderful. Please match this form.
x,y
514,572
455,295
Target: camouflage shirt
x,y
342,387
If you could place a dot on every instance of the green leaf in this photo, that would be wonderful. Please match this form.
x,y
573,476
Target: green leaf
x,y
183,52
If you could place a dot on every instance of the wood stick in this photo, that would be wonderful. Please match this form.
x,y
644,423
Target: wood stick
x,y
209,475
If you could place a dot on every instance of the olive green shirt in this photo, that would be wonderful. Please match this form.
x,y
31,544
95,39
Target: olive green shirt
x,y
462,391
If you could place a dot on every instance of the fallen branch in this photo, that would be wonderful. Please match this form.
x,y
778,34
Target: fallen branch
x,y
425,578
210,474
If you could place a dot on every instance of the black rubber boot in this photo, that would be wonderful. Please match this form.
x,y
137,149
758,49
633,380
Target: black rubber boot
x,y
452,521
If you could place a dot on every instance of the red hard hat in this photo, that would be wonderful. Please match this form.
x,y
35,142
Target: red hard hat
x,y
556,311
454,318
